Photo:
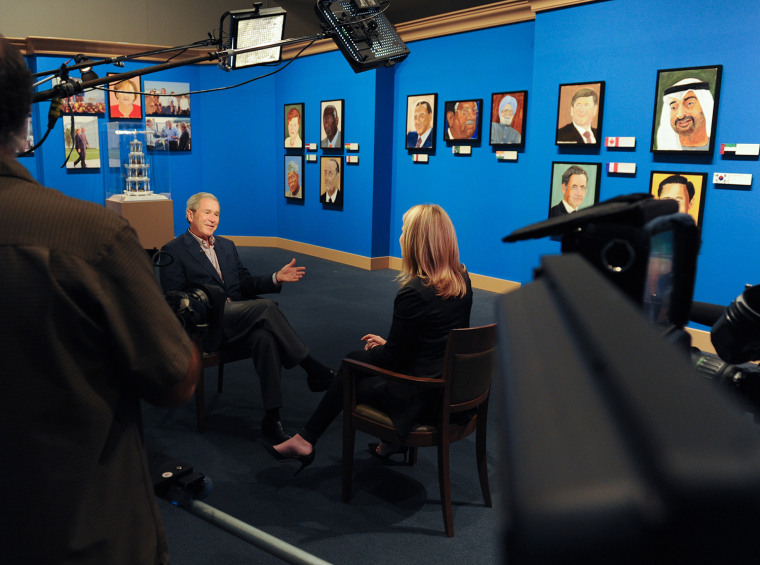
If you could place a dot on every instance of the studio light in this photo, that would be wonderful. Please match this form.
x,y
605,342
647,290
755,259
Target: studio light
x,y
86,72
362,33
249,29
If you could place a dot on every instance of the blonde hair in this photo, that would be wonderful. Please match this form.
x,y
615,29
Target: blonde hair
x,y
132,86
429,250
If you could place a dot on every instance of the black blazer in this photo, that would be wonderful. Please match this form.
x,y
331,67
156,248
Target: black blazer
x,y
558,210
569,134
185,262
416,344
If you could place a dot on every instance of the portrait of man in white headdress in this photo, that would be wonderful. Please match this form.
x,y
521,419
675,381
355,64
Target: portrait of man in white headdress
x,y
687,114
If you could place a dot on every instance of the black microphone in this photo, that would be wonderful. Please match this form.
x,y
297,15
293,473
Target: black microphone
x,y
55,111
705,313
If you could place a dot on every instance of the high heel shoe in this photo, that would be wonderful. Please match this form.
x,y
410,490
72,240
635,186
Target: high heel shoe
x,y
402,449
305,460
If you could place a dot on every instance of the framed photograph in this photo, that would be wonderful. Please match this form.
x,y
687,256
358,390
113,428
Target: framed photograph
x,y
167,98
574,186
89,102
81,142
294,126
173,134
688,189
331,181
294,177
124,100
29,141
686,109
332,126
463,118
508,113
579,114
420,121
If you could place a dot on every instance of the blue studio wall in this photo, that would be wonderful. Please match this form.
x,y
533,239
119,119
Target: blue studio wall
x,y
484,197
311,80
238,151
631,41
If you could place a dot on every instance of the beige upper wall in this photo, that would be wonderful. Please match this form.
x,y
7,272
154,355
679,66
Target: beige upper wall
x,y
154,22
180,22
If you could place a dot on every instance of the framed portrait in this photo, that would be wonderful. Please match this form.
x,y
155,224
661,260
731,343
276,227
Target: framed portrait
x,y
331,181
88,102
168,134
124,100
294,126
686,109
574,186
579,114
167,98
508,113
420,121
294,177
463,119
688,189
332,124
81,142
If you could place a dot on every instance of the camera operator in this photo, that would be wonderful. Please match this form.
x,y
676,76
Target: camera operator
x,y
86,335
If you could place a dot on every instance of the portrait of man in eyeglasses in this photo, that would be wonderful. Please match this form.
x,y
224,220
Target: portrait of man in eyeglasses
x,y
463,120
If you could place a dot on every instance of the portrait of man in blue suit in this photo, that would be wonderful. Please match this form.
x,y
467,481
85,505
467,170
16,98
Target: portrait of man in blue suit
x,y
422,136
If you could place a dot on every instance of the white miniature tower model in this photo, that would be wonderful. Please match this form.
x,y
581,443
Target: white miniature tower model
x,y
137,181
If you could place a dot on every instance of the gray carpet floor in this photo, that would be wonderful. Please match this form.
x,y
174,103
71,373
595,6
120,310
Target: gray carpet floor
x,y
395,514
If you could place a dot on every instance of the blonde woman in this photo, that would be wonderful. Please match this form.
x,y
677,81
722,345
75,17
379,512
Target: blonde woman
x,y
435,298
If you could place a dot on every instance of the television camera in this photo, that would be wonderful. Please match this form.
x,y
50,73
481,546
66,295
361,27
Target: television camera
x,y
199,307
616,452
650,253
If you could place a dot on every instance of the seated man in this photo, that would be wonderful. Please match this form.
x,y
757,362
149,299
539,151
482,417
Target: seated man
x,y
249,323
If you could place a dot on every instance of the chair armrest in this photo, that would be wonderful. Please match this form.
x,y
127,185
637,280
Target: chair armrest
x,y
360,366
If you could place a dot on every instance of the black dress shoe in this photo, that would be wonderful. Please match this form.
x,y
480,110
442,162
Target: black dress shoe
x,y
321,384
274,430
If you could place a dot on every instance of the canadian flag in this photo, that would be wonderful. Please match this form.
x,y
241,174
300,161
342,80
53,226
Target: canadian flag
x,y
620,141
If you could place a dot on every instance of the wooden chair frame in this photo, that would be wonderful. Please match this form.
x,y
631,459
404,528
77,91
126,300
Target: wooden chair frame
x,y
211,359
464,386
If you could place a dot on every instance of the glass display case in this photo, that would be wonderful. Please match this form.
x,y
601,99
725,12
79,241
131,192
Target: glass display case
x,y
138,170
138,182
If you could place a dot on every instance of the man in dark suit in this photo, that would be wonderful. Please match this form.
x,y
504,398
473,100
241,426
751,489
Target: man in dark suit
x,y
331,125
583,109
80,147
574,186
422,136
249,323
184,138
332,193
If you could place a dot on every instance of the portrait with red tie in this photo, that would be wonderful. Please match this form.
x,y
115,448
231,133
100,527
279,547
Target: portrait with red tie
x,y
332,124
579,114
420,121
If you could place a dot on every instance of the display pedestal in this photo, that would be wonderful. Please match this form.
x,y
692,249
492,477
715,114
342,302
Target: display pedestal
x,y
153,221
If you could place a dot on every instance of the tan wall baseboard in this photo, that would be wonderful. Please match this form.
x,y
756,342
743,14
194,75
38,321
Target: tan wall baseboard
x,y
481,282
701,340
